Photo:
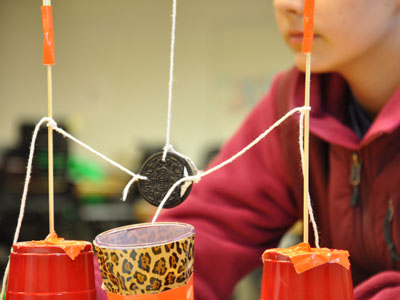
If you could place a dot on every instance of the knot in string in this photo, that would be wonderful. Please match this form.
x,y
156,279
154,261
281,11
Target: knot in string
x,y
167,148
52,124
197,177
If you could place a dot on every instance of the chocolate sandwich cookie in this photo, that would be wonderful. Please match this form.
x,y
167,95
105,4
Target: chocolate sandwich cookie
x,y
162,174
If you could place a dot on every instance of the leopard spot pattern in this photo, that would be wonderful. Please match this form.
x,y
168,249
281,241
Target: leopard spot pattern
x,y
146,270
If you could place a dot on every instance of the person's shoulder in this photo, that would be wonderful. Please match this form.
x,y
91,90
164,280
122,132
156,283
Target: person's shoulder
x,y
281,87
276,99
286,77
282,83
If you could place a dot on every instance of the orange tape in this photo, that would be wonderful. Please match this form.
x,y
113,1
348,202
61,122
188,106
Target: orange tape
x,y
181,293
305,258
71,248
48,45
308,26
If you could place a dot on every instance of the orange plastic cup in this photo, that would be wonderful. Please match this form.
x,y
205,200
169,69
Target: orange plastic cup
x,y
317,280
181,293
45,272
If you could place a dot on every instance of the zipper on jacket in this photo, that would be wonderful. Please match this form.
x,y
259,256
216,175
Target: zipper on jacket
x,y
387,232
355,176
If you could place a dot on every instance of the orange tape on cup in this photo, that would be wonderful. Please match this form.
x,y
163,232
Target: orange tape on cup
x,y
308,26
48,45
181,293
305,258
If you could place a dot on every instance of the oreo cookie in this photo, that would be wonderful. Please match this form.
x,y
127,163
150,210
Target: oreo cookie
x,y
161,176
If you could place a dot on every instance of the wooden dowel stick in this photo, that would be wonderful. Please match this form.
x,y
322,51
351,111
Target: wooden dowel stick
x,y
306,148
50,149
50,142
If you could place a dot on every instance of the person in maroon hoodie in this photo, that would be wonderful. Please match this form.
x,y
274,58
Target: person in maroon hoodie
x,y
246,207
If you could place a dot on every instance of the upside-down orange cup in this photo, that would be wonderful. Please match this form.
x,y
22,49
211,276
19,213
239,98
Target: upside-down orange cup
x,y
40,271
150,261
305,273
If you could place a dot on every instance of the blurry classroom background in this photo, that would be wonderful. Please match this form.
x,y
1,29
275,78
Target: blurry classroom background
x,y
110,90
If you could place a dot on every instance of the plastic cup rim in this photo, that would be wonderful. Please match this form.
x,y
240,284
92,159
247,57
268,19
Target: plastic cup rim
x,y
101,244
87,252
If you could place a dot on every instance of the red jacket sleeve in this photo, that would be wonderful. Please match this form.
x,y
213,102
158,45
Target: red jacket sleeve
x,y
239,210
382,286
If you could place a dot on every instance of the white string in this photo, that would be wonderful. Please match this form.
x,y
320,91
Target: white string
x,y
201,174
310,209
187,158
128,186
24,195
135,177
115,164
259,138
5,277
171,80
195,178
52,124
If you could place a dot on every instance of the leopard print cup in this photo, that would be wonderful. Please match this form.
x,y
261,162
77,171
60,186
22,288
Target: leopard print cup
x,y
145,258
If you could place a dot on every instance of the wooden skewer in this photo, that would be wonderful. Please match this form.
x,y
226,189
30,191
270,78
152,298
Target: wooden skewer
x,y
50,142
50,149
306,148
